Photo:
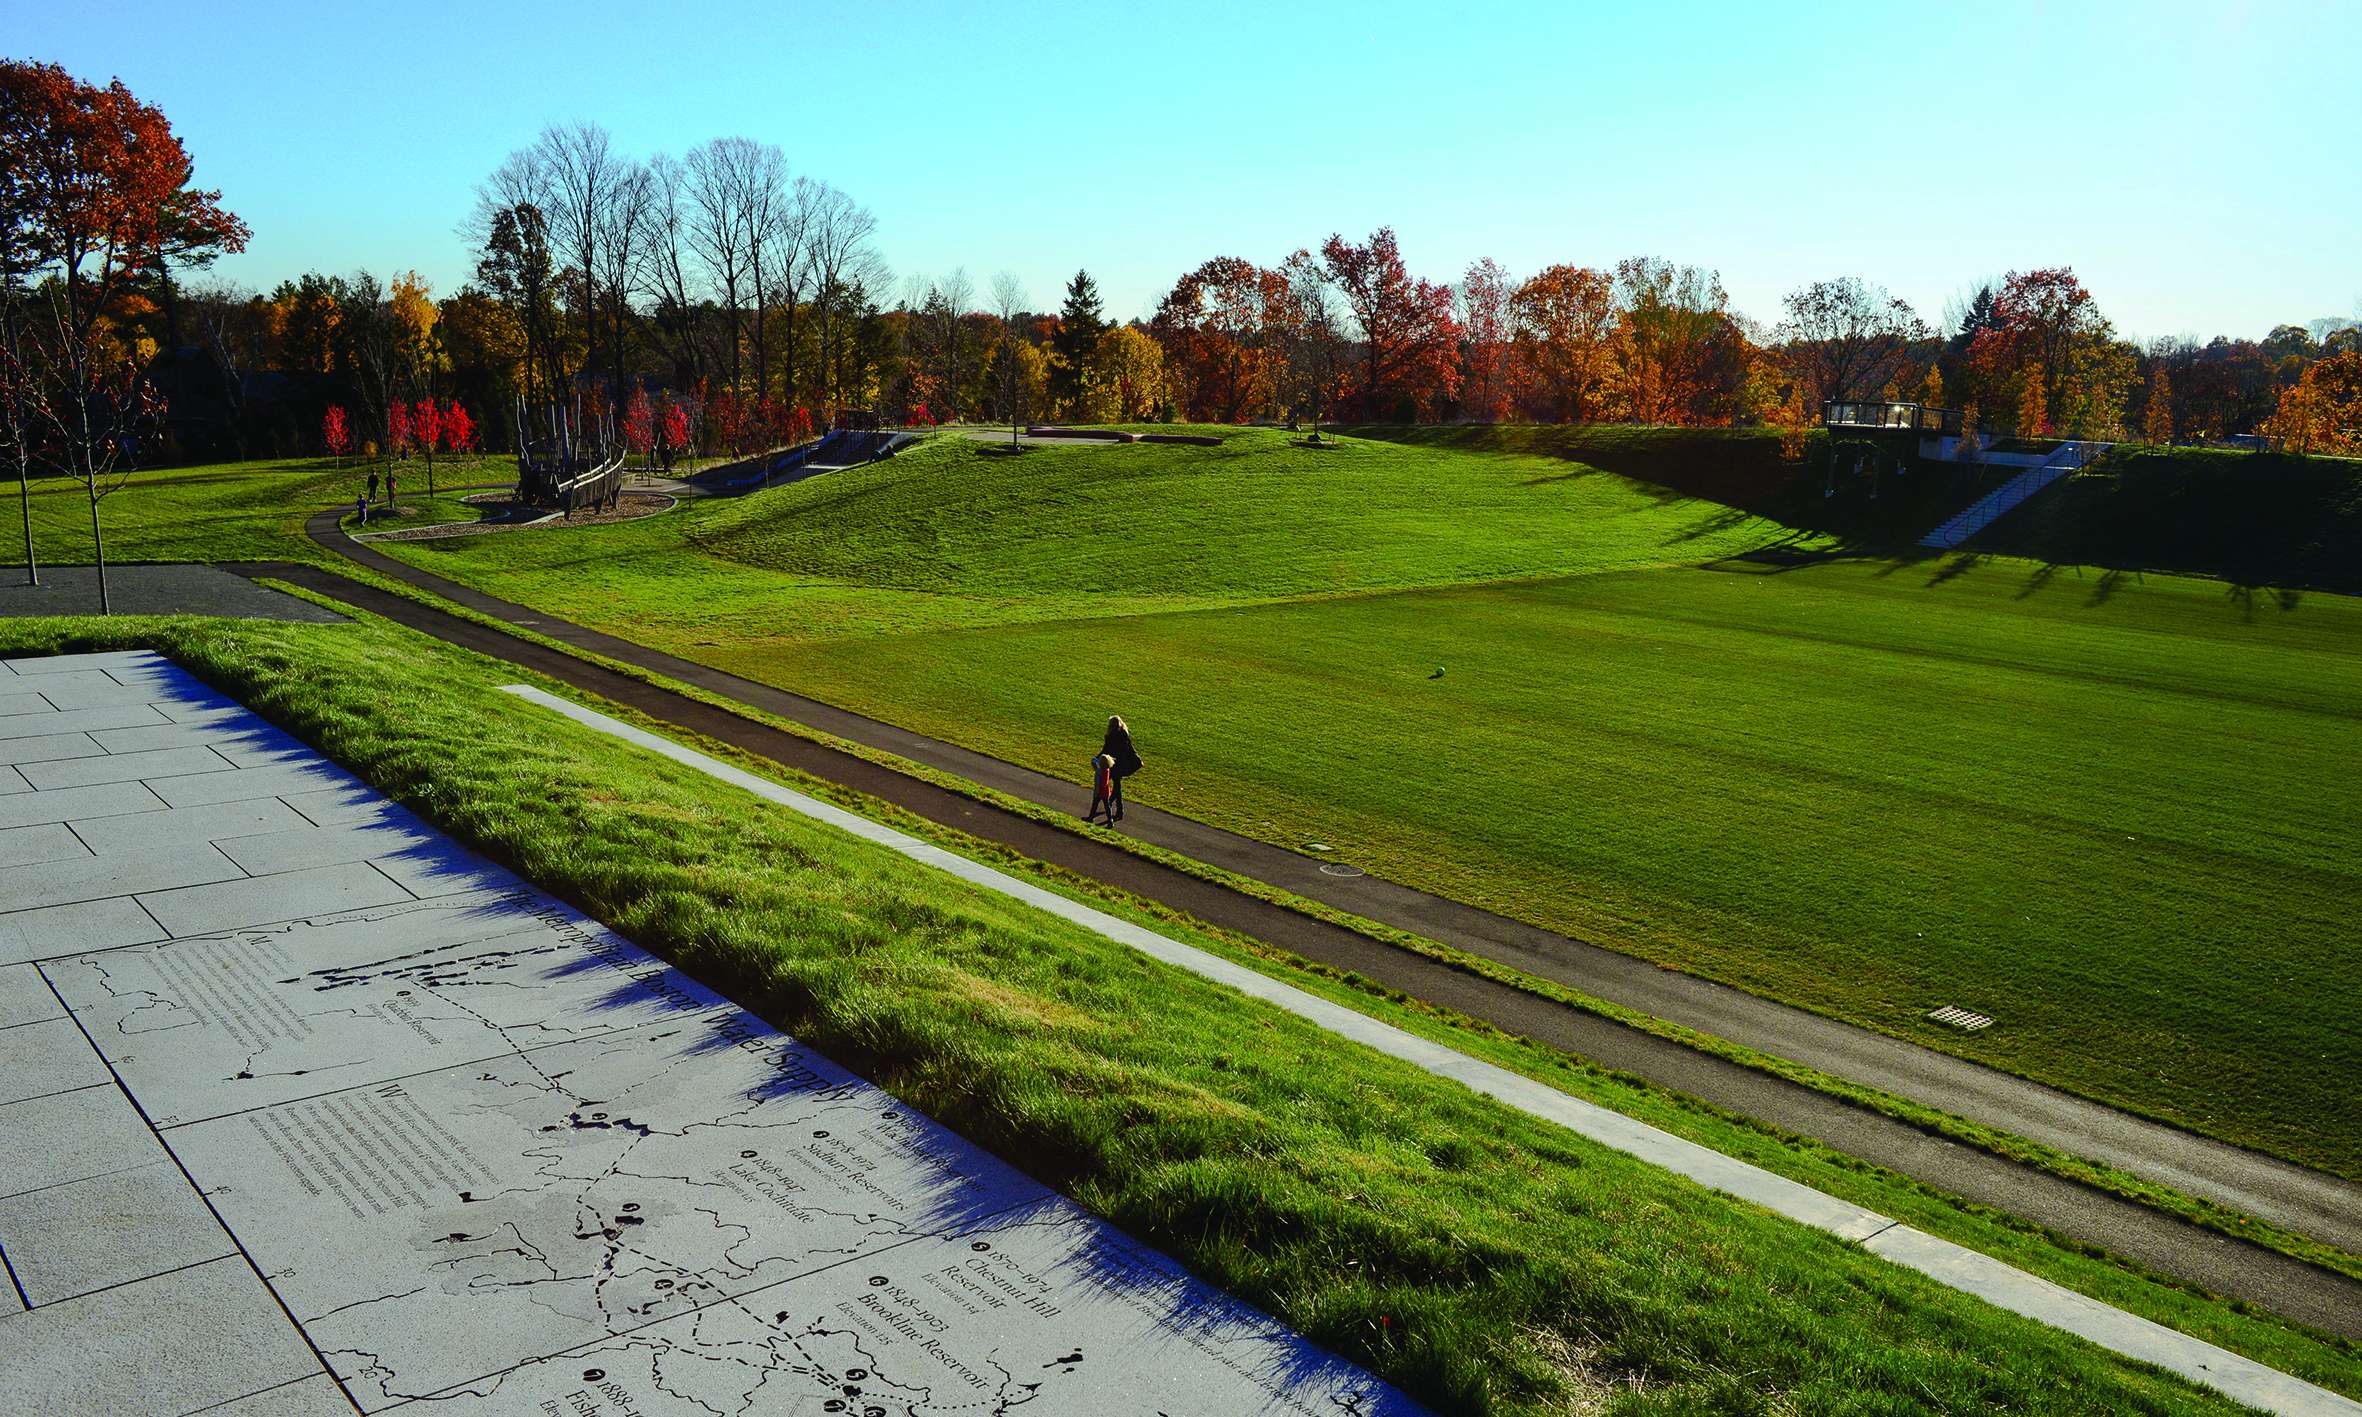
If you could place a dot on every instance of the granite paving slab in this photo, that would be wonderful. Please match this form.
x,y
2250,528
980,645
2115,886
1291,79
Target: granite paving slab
x,y
82,1236
306,1107
71,1136
97,877
45,1057
246,784
84,769
29,748
215,822
74,929
177,1343
25,996
24,725
259,900
11,780
106,799
48,841
315,1396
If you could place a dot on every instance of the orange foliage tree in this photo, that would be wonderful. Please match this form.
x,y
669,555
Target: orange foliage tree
x,y
94,199
1214,326
1564,325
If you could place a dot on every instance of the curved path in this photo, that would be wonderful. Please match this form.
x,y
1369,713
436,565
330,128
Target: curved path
x,y
2302,1292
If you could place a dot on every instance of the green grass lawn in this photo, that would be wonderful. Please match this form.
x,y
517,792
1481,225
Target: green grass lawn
x,y
1485,1261
2099,808
218,512
2091,807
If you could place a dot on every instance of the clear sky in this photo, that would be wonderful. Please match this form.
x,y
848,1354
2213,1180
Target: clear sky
x,y
2197,163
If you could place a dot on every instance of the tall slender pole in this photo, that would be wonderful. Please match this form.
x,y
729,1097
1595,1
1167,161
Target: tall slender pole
x,y
24,497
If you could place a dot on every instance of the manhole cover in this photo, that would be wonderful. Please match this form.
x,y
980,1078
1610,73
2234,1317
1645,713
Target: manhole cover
x,y
1960,1018
1339,868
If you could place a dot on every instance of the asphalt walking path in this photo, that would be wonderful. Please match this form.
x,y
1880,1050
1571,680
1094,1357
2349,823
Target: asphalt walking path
x,y
2302,1292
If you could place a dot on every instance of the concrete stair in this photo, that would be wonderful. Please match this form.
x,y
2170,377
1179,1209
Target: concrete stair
x,y
2002,500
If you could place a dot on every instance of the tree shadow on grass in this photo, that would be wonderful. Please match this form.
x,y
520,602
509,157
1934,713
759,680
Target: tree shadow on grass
x,y
1959,565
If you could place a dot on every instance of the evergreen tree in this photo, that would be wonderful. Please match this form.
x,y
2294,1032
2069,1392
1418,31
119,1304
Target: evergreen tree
x,y
1080,323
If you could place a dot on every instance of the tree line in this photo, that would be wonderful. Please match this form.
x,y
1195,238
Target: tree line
x,y
718,301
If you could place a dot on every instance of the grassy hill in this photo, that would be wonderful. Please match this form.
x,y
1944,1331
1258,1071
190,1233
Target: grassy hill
x,y
1476,660
2087,805
1485,1261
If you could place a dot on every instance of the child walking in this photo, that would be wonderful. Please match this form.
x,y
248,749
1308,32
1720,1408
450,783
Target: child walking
x,y
1102,789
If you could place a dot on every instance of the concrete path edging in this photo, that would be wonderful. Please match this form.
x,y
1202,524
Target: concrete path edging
x,y
1954,1266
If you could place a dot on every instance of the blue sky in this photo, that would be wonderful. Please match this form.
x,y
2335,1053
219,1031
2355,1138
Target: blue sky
x,y
2196,163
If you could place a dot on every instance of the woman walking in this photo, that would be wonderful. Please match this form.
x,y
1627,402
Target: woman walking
x,y
1118,746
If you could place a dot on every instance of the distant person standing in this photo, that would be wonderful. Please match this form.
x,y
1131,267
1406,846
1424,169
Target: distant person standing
x,y
361,509
1118,746
373,484
389,487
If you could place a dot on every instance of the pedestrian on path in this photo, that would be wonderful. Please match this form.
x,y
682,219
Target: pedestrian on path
x,y
1118,746
361,508
1102,789
389,487
373,484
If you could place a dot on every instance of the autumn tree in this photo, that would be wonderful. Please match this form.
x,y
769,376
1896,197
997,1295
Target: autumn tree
x,y
1211,325
1847,338
2322,411
1130,368
459,428
2045,325
1563,323
1485,326
98,197
1680,355
336,434
426,426
2033,405
1409,340
639,423
2157,413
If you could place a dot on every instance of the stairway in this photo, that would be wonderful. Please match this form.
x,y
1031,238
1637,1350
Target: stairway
x,y
1991,507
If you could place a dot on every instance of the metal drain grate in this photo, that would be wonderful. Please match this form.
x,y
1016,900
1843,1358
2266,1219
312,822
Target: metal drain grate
x,y
1960,1018
1339,868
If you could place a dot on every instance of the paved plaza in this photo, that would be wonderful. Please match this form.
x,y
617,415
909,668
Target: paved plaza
x,y
307,1110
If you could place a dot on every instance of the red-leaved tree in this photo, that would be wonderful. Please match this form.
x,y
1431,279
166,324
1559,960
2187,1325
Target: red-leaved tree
x,y
335,432
397,430
426,425
1409,338
676,432
459,430
639,424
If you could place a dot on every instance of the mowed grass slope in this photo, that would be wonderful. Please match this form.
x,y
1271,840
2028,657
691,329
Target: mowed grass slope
x,y
2107,810
2102,809
215,512
1485,1261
